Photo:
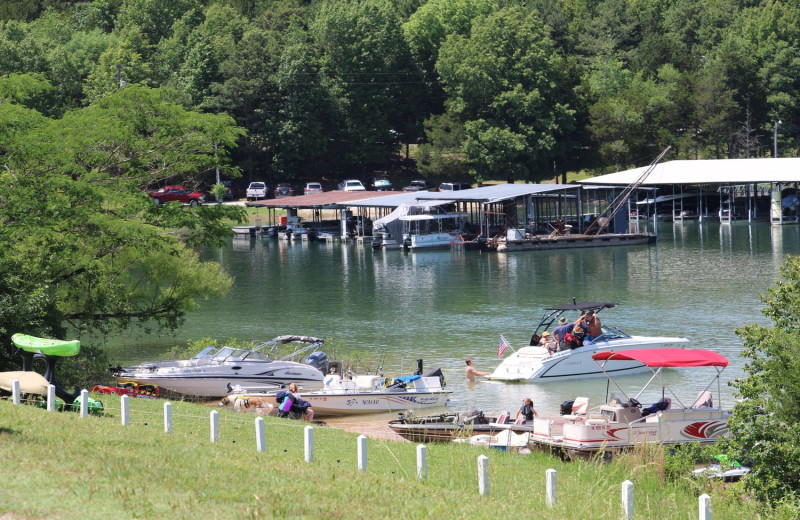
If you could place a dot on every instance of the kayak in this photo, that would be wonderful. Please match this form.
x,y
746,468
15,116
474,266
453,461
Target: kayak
x,y
49,347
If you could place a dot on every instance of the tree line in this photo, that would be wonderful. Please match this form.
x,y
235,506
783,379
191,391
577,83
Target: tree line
x,y
492,89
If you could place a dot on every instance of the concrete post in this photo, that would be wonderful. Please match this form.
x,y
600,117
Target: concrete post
x,y
483,475
422,462
16,396
309,443
51,398
167,417
126,412
627,499
705,507
552,480
84,403
214,426
362,453
261,437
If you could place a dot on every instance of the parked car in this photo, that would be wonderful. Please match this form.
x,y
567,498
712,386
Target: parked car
x,y
417,185
454,186
381,184
284,190
177,194
257,190
313,187
352,185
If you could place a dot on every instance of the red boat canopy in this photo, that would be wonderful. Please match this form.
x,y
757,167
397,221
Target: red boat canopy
x,y
666,357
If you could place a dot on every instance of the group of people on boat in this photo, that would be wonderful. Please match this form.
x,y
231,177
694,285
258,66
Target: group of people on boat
x,y
570,335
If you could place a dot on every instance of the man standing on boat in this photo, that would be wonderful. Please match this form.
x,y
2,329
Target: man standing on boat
x,y
472,372
593,326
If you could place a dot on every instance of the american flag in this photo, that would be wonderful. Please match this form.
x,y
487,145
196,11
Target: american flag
x,y
503,346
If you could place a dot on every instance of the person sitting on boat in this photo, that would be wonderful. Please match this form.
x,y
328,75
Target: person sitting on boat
x,y
472,372
291,405
526,410
594,330
548,342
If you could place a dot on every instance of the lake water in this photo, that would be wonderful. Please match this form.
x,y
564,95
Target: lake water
x,y
700,281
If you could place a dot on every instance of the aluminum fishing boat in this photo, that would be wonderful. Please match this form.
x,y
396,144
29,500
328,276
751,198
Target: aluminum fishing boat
x,y
209,373
623,421
534,363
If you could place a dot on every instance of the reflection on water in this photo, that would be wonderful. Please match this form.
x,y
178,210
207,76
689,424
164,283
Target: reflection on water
x,y
701,281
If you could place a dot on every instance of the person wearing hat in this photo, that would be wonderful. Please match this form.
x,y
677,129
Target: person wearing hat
x,y
548,342
563,327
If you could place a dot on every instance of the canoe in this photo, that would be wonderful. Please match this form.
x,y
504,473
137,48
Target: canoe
x,y
29,382
49,347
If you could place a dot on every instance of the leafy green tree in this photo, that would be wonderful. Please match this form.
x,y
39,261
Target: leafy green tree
x,y
764,424
83,246
370,78
506,84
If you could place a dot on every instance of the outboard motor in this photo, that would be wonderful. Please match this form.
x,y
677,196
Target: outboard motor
x,y
318,360
419,368
566,407
435,372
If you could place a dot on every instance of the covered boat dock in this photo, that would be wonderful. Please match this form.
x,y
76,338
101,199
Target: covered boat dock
x,y
727,189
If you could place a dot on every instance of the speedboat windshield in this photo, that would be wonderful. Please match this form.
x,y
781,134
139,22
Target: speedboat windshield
x,y
206,352
223,354
611,334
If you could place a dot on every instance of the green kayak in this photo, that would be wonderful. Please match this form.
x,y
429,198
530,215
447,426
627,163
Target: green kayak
x,y
49,347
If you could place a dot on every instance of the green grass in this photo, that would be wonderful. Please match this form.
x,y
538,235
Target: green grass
x,y
59,466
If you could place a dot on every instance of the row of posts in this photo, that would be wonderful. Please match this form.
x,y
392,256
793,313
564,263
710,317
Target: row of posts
x,y
551,475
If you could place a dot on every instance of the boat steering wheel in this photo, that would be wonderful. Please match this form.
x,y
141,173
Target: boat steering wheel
x,y
635,403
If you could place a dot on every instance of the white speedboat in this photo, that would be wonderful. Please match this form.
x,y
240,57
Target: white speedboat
x,y
209,373
366,394
623,422
535,363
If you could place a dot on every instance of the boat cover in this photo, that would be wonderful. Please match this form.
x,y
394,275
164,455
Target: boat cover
x,y
666,357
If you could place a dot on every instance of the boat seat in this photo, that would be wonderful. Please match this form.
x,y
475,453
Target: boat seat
x,y
520,420
703,401
502,418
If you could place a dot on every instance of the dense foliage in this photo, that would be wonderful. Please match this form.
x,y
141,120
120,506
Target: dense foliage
x,y
765,426
83,246
500,89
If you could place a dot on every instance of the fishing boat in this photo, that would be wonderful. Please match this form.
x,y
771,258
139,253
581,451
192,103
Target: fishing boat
x,y
446,427
209,373
536,364
366,394
624,422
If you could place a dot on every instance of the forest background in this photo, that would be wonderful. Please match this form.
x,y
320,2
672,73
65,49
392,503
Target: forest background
x,y
487,89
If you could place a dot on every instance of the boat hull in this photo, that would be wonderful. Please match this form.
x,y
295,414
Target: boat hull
x,y
584,436
213,381
373,402
534,364
544,243
444,431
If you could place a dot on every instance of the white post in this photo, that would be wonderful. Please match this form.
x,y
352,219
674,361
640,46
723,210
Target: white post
x,y
214,426
126,413
309,438
362,453
51,398
422,462
167,417
627,499
483,475
551,490
705,507
261,436
15,393
84,403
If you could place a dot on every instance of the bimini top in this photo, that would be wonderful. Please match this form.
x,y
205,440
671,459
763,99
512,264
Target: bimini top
x,y
666,357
